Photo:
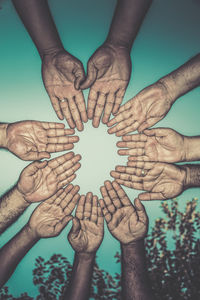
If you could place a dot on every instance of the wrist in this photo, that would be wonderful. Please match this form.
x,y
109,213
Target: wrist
x,y
31,233
192,176
171,88
187,176
52,52
85,256
133,244
192,148
3,135
115,44
21,195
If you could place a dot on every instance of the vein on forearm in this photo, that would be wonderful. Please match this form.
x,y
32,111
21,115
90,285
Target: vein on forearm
x,y
36,16
185,78
135,283
126,22
12,205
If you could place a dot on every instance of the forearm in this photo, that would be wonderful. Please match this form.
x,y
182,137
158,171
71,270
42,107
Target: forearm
x,y
183,79
126,22
3,128
12,205
12,253
135,283
79,286
192,148
37,19
192,175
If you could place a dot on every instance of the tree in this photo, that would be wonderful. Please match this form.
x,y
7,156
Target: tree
x,y
173,261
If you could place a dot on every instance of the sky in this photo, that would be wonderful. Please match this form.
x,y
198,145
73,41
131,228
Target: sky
x,y
168,37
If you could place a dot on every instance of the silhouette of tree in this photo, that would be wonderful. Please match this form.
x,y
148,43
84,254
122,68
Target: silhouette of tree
x,y
173,260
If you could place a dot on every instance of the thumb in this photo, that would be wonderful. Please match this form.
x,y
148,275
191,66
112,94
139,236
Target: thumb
x,y
146,124
91,76
156,131
79,77
76,226
43,154
33,168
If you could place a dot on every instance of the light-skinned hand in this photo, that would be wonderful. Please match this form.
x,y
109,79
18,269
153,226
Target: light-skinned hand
x,y
161,180
108,75
159,144
62,74
143,111
87,231
33,140
40,180
51,216
127,223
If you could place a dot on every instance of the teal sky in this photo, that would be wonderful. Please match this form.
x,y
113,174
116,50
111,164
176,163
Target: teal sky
x,y
168,37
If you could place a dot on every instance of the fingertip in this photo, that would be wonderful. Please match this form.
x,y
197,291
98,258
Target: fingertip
x,y
112,173
79,157
80,126
71,131
105,120
95,123
118,134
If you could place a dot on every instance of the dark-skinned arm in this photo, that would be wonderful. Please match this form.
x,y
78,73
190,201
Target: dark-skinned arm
x,y
135,282
37,19
85,238
61,72
79,286
47,220
126,22
12,252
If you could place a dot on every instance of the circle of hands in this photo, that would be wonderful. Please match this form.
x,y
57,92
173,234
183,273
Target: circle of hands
x,y
150,153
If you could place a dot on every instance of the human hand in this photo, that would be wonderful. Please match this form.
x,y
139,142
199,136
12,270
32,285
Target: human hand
x,y
143,111
33,140
62,74
40,180
159,144
108,75
125,222
161,180
87,232
51,216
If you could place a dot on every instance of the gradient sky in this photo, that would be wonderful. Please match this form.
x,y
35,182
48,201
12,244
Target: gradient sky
x,y
168,37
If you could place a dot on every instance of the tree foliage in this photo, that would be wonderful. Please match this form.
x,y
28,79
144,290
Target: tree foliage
x,y
173,260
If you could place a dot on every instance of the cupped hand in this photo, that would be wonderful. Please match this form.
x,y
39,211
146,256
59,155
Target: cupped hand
x,y
159,144
87,231
127,223
143,111
40,180
161,180
108,75
50,217
62,74
34,140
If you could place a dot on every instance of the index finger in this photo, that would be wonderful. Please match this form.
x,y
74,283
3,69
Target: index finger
x,y
56,105
75,113
119,117
80,102
121,194
99,109
108,107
